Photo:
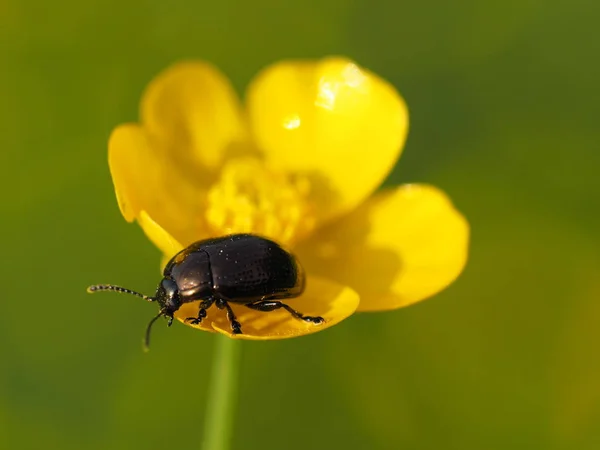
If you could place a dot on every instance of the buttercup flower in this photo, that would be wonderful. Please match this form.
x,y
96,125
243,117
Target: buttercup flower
x,y
300,163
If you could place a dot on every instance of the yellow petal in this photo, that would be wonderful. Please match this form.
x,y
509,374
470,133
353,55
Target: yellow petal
x,y
146,180
193,110
323,298
127,155
158,235
332,121
400,247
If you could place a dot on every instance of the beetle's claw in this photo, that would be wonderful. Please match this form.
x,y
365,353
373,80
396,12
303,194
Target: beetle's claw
x,y
193,320
316,320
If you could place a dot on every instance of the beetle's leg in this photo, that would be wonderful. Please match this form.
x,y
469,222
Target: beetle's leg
x,y
204,305
235,325
270,305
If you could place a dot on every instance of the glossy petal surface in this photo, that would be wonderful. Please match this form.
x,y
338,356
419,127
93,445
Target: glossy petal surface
x,y
332,121
400,247
192,110
323,298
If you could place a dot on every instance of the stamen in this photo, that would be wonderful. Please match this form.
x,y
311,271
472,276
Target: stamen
x,y
251,198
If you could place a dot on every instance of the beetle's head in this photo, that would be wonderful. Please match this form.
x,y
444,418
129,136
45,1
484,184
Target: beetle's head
x,y
167,296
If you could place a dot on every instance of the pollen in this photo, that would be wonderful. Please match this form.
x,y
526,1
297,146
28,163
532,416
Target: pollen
x,y
250,197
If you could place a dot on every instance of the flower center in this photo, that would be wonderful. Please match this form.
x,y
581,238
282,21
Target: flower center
x,y
249,197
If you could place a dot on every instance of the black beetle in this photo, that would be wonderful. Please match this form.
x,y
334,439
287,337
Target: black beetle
x,y
239,268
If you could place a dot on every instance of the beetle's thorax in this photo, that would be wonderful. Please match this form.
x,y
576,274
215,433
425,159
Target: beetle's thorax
x,y
192,273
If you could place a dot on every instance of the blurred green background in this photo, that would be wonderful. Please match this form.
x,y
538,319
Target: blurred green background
x,y
504,111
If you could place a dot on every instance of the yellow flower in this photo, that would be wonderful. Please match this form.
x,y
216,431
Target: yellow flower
x,y
300,164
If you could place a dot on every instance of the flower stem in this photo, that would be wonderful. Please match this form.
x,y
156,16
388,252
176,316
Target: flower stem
x,y
222,394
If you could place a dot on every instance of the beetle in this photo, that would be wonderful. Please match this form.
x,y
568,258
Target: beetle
x,y
239,268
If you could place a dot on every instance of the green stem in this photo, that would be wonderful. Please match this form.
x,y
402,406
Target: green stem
x,y
222,395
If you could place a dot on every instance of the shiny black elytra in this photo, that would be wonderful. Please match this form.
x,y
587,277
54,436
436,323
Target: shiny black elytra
x,y
239,268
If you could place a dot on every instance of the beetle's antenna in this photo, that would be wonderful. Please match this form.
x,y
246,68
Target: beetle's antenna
x,y
122,290
149,328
